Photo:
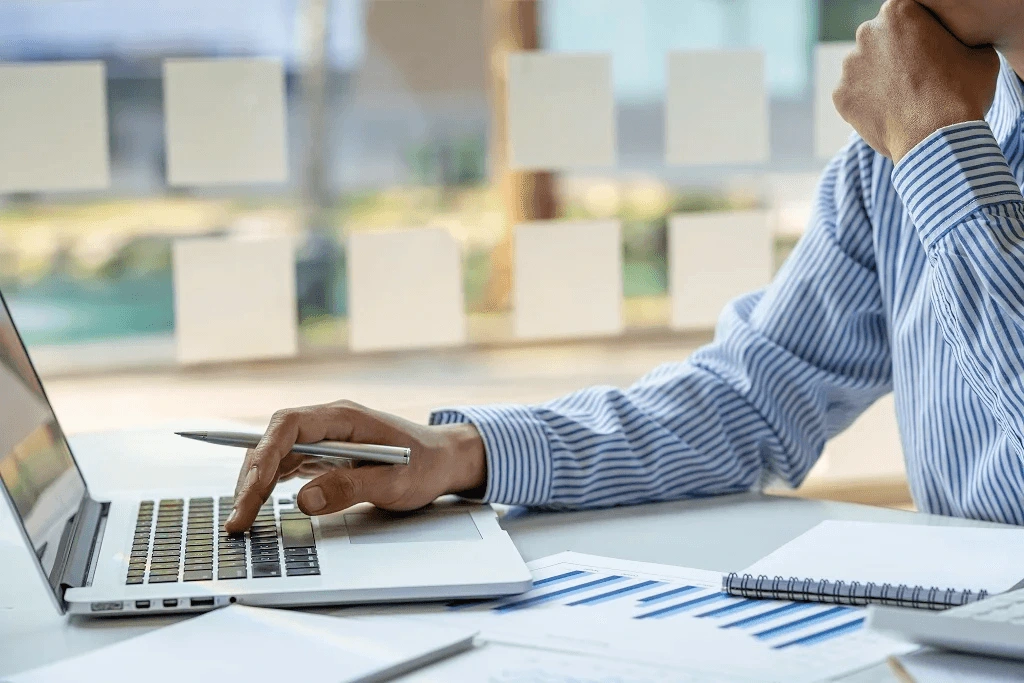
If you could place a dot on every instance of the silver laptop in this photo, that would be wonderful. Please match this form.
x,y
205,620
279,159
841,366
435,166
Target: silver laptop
x,y
141,554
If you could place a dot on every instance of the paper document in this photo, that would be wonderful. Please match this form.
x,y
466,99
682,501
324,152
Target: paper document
x,y
248,644
937,666
973,558
497,663
668,618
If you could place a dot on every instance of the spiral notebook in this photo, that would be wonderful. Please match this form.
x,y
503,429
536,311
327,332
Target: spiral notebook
x,y
903,565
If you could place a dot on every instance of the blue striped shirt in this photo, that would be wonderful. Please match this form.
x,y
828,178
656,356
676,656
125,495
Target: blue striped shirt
x,y
909,279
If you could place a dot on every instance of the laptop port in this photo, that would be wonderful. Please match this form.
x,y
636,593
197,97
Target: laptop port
x,y
201,602
142,604
107,606
171,602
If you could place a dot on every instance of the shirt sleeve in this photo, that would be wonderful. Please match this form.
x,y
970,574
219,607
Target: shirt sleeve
x,y
969,213
791,365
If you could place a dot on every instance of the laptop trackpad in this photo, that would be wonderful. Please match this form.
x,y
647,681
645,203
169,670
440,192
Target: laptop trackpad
x,y
376,526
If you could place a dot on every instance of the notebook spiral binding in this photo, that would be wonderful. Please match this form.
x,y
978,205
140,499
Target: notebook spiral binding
x,y
847,593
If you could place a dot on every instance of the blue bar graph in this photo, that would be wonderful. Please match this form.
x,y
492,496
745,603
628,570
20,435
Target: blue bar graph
x,y
777,624
667,595
615,594
559,578
683,606
801,623
730,609
547,597
821,636
769,615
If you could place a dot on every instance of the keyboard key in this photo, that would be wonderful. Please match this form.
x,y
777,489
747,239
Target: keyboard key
x,y
227,573
168,578
312,571
232,563
297,533
163,571
299,552
199,575
264,570
301,564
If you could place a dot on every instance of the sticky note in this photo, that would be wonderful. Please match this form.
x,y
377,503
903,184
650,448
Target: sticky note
x,y
716,108
225,121
405,290
831,132
53,127
561,111
568,279
714,258
235,299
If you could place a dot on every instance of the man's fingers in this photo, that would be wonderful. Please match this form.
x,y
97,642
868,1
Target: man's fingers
x,y
247,503
343,488
246,464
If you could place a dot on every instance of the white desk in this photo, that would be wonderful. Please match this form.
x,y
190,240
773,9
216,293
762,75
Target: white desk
x,y
721,534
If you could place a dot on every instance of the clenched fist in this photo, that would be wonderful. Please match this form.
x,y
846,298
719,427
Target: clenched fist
x,y
909,76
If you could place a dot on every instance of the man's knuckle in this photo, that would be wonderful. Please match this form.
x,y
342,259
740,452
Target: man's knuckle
x,y
285,417
347,406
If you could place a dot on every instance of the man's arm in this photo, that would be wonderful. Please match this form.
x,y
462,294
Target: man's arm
x,y
918,95
969,212
791,366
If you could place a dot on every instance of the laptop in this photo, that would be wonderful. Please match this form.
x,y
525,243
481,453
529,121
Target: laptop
x,y
137,554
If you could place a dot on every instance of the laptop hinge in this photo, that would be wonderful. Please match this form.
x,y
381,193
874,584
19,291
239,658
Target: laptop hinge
x,y
77,545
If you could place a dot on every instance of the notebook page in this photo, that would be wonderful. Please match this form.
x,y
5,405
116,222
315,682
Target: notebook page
x,y
940,556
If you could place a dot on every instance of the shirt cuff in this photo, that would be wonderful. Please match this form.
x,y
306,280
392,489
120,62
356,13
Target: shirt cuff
x,y
949,175
518,450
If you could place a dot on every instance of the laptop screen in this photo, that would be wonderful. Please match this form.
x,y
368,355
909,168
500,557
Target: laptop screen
x,y
36,466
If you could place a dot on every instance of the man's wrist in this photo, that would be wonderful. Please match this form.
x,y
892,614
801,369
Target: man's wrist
x,y
469,460
910,136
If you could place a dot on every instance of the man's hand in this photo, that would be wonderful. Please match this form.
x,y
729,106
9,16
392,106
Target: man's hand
x,y
909,77
444,459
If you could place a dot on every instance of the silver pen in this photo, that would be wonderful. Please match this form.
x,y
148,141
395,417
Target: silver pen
x,y
388,455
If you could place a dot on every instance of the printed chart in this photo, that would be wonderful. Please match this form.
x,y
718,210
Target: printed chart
x,y
673,617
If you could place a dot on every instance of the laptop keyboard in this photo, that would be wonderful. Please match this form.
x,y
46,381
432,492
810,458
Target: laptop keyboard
x,y
209,553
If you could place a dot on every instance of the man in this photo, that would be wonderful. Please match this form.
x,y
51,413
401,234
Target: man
x,y
910,279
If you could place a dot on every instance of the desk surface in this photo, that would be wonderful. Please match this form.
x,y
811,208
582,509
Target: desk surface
x,y
722,534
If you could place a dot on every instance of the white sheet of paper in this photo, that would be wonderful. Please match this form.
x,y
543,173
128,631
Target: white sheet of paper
x,y
714,258
235,299
938,666
831,132
657,615
54,122
568,279
561,111
247,644
989,559
225,121
716,108
405,290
